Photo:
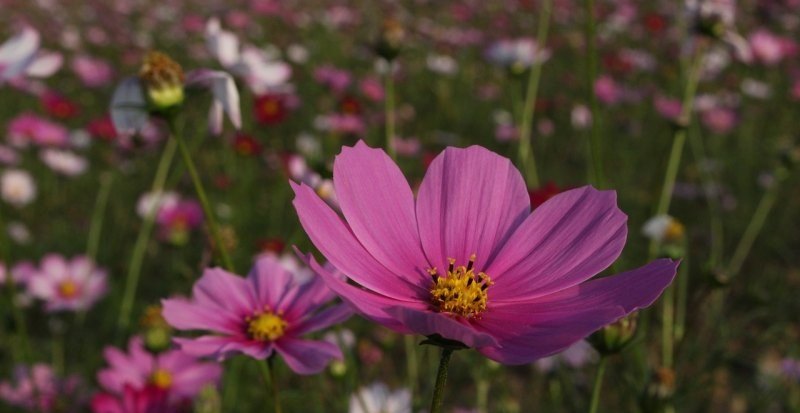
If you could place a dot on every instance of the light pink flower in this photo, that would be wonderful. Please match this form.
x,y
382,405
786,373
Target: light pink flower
x,y
20,56
39,389
73,285
467,260
180,375
263,314
93,72
29,128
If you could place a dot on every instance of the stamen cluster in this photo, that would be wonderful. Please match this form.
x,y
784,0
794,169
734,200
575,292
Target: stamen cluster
x,y
462,291
266,326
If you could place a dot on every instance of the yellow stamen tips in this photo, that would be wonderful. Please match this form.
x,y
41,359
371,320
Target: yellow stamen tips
x,y
674,231
462,292
67,289
161,378
266,326
163,79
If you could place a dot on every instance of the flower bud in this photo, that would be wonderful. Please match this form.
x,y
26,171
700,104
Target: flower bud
x,y
163,81
157,333
391,39
613,338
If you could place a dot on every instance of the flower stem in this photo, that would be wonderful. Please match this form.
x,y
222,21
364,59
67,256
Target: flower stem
x,y
756,222
139,248
526,155
441,380
98,215
412,371
22,351
595,145
268,373
391,120
679,138
598,384
201,194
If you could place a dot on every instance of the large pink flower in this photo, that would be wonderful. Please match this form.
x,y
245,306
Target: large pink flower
x,y
179,374
467,260
264,313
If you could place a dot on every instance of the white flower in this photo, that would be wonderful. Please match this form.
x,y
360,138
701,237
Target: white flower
x,y
17,187
662,228
20,56
442,64
377,398
64,162
156,200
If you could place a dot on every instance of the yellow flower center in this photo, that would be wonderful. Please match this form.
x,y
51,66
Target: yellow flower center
x,y
674,231
161,378
67,289
266,326
462,291
270,107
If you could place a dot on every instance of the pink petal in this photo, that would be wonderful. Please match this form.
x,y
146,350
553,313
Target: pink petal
x,y
185,315
470,201
188,381
270,281
551,323
370,305
378,205
567,240
306,356
221,348
222,289
328,317
427,322
335,240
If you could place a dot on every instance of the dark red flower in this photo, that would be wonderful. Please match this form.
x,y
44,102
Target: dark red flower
x,y
655,23
102,128
270,109
542,194
246,145
58,106
350,105
275,245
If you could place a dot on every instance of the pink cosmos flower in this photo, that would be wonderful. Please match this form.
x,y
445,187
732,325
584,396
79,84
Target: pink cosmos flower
x,y
336,79
175,372
265,313
467,260
147,400
39,389
667,107
767,47
177,219
607,90
74,284
91,71
29,128
720,120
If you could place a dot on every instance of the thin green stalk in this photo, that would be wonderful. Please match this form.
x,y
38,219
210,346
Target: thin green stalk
x,y
231,387
714,209
598,384
268,373
391,120
679,139
98,215
441,380
139,248
22,350
667,326
596,174
412,370
526,155
682,298
201,195
756,222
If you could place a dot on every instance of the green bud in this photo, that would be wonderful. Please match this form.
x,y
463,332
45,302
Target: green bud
x,y
613,338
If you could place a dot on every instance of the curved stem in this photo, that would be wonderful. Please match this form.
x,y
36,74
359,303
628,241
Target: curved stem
x,y
756,223
139,248
201,195
441,380
598,384
595,145
391,120
679,138
268,373
527,159
98,215
412,371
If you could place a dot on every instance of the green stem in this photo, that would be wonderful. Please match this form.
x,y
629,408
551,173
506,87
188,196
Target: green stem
x,y
412,371
756,222
441,380
526,155
268,373
595,145
681,301
714,209
391,119
139,248
98,215
679,139
598,384
22,350
667,326
201,195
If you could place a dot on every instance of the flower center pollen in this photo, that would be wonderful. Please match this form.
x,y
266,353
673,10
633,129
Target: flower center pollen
x,y
162,379
266,326
67,289
462,291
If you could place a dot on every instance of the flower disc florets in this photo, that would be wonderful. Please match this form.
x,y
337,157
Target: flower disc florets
x,y
462,291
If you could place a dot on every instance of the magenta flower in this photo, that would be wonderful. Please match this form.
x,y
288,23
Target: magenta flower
x,y
264,313
468,261
147,400
29,128
175,372
68,285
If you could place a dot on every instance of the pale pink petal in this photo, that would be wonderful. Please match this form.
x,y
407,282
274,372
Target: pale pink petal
x,y
326,318
224,290
306,356
426,322
184,315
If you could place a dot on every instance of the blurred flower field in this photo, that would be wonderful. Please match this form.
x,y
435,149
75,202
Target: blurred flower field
x,y
385,207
